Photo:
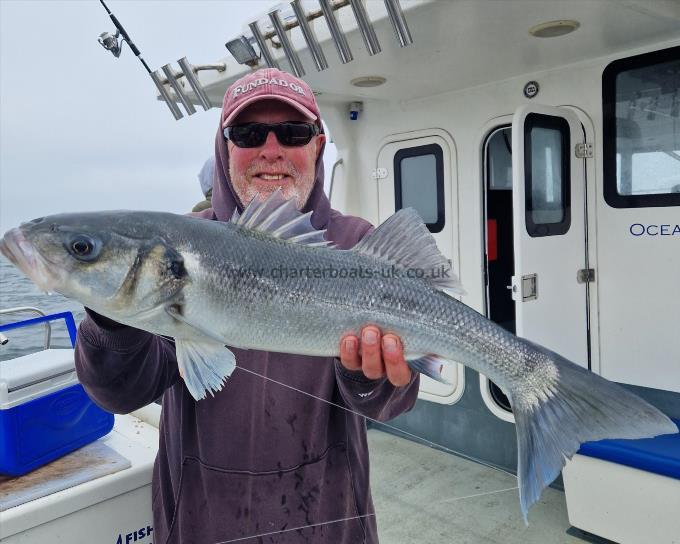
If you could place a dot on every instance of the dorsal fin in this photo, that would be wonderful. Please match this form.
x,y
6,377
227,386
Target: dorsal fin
x,y
280,218
403,240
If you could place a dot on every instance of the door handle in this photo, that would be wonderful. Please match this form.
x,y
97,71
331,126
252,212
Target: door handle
x,y
528,290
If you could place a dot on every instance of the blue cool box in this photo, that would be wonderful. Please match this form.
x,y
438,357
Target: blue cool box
x,y
44,411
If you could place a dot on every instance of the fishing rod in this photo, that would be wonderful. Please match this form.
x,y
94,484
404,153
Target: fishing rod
x,y
111,43
114,44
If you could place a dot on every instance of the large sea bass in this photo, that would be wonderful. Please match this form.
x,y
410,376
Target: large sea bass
x,y
268,281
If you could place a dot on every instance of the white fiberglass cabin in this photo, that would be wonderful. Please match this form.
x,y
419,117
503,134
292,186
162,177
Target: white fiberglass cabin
x,y
540,142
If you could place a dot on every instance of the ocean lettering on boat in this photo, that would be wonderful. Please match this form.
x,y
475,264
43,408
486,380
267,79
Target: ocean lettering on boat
x,y
638,229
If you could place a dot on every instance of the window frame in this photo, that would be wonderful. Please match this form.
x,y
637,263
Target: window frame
x,y
418,151
609,74
540,120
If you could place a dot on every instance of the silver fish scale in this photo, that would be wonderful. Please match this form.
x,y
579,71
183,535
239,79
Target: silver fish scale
x,y
279,296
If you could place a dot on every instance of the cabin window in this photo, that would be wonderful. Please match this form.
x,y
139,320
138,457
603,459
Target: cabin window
x,y
547,175
419,183
641,106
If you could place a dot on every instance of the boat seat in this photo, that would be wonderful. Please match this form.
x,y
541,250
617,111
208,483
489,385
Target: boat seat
x,y
660,455
626,491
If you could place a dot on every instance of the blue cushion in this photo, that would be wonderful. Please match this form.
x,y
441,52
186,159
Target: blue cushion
x,y
660,455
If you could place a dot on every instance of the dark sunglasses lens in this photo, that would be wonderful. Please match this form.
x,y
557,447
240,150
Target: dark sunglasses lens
x,y
255,134
294,134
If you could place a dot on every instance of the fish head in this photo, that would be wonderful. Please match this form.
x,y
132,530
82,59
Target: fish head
x,y
116,263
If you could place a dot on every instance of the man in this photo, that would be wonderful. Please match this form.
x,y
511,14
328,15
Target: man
x,y
260,458
205,179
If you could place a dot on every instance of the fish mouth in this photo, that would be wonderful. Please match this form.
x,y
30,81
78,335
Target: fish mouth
x,y
26,258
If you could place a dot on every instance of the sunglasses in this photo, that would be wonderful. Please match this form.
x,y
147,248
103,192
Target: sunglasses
x,y
290,133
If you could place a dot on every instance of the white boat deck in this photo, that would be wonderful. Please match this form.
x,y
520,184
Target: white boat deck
x,y
425,495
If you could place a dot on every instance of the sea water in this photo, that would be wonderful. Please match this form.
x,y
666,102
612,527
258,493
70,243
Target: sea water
x,y
16,290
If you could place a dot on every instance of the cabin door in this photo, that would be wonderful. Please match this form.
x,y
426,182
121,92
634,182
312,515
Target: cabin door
x,y
417,170
549,285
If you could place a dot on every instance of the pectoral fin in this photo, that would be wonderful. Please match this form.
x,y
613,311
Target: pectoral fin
x,y
205,366
431,366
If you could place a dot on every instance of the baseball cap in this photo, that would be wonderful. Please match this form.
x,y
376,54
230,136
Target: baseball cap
x,y
269,84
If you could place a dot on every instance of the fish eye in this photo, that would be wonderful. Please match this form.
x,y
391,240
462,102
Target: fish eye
x,y
176,268
174,263
83,248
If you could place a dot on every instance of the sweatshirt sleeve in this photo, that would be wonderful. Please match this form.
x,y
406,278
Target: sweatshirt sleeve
x,y
376,399
120,367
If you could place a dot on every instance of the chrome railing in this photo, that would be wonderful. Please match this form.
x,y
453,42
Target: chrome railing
x,y
19,309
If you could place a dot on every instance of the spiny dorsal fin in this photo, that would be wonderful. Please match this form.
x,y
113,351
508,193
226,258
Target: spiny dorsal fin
x,y
403,240
280,218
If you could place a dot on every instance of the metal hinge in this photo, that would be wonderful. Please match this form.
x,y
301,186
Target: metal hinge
x,y
585,275
379,173
584,150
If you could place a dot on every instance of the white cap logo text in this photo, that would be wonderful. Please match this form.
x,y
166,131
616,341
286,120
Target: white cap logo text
x,y
241,89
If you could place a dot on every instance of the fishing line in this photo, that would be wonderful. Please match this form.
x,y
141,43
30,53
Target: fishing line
x,y
383,424
454,499
391,427
294,529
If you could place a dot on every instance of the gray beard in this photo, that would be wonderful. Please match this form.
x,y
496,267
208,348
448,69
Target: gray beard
x,y
299,192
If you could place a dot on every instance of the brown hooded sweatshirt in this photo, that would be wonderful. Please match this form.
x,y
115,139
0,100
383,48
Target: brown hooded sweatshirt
x,y
257,462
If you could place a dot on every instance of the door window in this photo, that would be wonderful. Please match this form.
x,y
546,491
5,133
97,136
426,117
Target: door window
x,y
419,183
547,171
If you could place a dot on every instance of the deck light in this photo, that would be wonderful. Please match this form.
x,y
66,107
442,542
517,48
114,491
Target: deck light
x,y
242,50
368,81
553,29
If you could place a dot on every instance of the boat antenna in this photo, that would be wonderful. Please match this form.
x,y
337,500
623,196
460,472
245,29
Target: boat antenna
x,y
111,43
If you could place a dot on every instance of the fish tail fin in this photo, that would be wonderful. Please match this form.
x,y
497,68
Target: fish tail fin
x,y
580,407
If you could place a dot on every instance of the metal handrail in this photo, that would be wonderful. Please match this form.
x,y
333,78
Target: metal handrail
x,y
335,165
48,327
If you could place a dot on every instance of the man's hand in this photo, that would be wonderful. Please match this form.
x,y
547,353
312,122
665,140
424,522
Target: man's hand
x,y
375,356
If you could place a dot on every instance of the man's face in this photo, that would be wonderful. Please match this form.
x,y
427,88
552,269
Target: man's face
x,y
259,171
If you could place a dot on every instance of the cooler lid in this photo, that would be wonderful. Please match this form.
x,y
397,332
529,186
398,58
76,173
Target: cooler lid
x,y
34,368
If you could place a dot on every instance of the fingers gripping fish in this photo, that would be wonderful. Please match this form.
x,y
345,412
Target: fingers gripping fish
x,y
267,280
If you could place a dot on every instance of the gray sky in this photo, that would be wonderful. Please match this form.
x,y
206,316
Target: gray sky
x,y
82,130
